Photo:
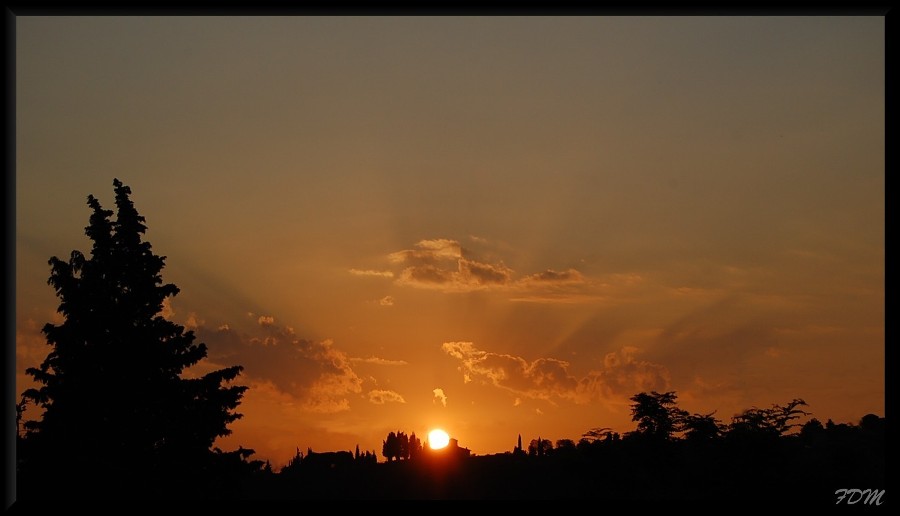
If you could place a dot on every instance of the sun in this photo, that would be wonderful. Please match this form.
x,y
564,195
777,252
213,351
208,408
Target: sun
x,y
438,439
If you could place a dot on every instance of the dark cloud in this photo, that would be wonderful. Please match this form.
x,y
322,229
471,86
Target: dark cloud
x,y
441,264
316,373
552,276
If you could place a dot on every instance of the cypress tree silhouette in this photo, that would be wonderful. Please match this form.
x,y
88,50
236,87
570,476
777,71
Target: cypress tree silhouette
x,y
119,419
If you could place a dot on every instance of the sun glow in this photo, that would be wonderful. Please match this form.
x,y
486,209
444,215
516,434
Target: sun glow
x,y
438,439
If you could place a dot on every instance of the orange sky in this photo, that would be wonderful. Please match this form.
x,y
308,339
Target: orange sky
x,y
492,225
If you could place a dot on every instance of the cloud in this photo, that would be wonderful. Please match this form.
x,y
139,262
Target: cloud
x,y
480,274
193,322
548,378
379,361
439,395
266,320
380,397
319,375
386,301
442,264
623,375
381,274
428,252
167,311
550,276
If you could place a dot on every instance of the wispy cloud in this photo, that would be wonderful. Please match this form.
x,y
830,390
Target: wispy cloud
x,y
367,272
439,396
386,301
548,378
379,361
444,264
550,276
380,397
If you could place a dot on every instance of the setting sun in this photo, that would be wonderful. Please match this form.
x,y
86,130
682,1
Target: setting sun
x,y
438,439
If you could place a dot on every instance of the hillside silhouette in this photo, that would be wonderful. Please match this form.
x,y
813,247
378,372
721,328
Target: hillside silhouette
x,y
120,420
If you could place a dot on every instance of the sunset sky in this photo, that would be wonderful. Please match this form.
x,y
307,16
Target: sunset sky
x,y
491,225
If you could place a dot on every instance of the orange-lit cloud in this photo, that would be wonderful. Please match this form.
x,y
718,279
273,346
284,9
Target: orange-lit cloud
x,y
444,264
378,274
439,396
440,264
551,276
549,378
623,375
379,361
192,322
167,311
386,301
316,373
380,397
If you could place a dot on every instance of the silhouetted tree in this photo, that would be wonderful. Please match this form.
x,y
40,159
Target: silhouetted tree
x,y
872,424
415,446
117,411
812,431
390,447
539,447
657,414
404,446
565,448
518,451
766,423
595,434
293,465
701,427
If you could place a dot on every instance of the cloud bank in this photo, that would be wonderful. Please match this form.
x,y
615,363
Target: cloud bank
x,y
316,373
623,374
444,264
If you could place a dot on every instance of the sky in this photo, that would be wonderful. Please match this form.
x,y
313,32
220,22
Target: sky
x,y
491,225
